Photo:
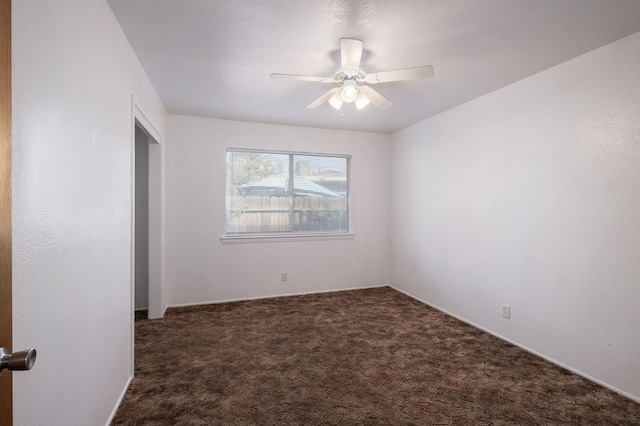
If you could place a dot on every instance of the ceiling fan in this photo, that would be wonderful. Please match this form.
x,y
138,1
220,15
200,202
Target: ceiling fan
x,y
353,79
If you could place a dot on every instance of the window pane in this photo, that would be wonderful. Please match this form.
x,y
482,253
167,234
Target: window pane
x,y
257,194
320,194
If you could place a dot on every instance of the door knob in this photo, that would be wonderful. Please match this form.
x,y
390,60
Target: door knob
x,y
17,361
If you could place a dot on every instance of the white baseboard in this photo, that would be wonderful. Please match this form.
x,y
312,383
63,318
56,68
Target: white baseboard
x,y
558,363
214,302
122,394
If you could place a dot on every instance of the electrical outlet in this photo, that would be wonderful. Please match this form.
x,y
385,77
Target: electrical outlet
x,y
506,311
283,276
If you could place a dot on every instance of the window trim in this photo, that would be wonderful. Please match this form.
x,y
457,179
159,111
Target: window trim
x,y
275,151
244,238
282,237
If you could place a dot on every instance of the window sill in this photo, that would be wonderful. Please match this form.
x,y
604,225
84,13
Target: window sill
x,y
283,238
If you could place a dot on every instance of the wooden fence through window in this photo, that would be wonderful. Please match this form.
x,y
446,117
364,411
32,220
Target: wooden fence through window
x,y
271,214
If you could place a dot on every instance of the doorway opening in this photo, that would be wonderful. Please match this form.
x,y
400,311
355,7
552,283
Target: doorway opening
x,y
141,231
147,256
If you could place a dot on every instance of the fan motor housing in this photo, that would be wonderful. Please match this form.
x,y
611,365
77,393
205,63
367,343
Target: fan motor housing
x,y
342,74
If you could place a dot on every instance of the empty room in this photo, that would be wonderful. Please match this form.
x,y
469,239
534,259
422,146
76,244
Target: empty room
x,y
321,212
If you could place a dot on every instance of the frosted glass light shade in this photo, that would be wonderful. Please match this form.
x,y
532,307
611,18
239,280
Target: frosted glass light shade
x,y
336,101
349,91
362,101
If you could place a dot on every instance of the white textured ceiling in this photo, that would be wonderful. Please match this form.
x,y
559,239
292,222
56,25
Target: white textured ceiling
x,y
212,58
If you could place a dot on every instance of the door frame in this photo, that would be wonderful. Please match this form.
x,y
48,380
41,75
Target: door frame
x,y
156,216
6,330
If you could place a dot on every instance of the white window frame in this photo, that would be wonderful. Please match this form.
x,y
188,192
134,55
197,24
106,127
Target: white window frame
x,y
290,236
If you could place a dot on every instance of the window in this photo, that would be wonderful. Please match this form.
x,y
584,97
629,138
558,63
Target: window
x,y
283,193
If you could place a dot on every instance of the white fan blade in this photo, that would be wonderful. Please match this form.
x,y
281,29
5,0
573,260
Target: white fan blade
x,y
351,53
303,78
322,99
400,75
376,98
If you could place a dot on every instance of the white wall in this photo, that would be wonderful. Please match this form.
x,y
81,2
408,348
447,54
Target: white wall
x,y
530,196
199,268
73,77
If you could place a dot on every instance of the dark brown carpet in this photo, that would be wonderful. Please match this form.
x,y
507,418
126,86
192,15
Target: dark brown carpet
x,y
358,357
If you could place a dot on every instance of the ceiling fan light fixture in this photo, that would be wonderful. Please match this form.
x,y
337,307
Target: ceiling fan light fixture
x,y
362,101
351,72
349,91
336,101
